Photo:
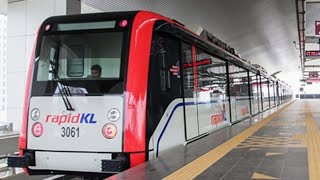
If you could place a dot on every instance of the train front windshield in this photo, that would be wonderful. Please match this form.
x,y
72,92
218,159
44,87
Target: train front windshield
x,y
85,62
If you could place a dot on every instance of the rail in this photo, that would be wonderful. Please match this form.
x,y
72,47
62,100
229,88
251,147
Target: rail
x,y
9,146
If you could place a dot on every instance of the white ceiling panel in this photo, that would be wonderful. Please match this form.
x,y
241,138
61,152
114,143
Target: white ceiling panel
x,y
262,31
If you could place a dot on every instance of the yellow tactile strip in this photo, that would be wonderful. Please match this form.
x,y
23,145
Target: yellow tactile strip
x,y
312,138
273,153
261,176
196,167
267,141
286,123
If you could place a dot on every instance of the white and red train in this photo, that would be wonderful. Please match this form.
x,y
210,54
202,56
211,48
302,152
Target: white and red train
x,y
162,85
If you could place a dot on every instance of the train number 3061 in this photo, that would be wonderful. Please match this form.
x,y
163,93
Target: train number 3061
x,y
70,132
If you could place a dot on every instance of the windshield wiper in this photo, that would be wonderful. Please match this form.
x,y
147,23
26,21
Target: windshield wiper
x,y
64,90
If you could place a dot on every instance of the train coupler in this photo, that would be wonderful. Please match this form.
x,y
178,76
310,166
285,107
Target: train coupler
x,y
18,161
118,164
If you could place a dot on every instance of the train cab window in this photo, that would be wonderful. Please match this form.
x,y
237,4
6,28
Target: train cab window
x,y
67,58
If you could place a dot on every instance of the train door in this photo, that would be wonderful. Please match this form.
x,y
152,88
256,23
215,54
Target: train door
x,y
210,87
239,93
190,92
165,113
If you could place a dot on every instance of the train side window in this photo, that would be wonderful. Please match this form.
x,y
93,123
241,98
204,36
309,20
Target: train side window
x,y
265,92
211,73
238,81
187,70
159,52
165,50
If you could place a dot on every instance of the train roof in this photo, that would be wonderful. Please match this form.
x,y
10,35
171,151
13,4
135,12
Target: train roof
x,y
227,52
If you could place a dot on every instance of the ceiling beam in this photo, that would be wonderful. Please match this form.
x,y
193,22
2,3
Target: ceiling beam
x,y
3,7
312,1
13,1
311,66
300,11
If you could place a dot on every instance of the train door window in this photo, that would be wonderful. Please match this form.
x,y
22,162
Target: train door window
x,y
265,93
276,93
164,79
254,93
284,94
190,92
281,94
259,93
239,93
272,93
211,86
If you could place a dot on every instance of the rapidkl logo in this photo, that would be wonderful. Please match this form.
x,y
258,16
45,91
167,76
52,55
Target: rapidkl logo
x,y
85,118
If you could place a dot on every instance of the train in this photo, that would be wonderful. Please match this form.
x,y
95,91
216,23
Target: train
x,y
108,91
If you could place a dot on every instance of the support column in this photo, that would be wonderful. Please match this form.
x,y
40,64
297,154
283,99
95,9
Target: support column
x,y
24,19
3,6
73,7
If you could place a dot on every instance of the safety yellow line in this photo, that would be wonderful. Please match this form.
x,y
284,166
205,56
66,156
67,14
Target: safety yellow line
x,y
196,167
312,138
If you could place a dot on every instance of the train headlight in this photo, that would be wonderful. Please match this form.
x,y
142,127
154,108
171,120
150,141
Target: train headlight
x,y
123,23
109,130
37,129
35,114
114,114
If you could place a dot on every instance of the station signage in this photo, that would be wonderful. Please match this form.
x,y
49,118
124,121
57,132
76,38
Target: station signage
x,y
315,80
312,53
313,75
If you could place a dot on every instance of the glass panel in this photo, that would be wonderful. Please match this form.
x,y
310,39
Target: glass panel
x,y
265,92
86,26
272,93
254,93
239,93
276,93
212,82
191,111
259,93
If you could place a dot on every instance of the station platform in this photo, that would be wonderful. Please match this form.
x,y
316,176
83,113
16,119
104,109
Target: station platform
x,y
281,143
